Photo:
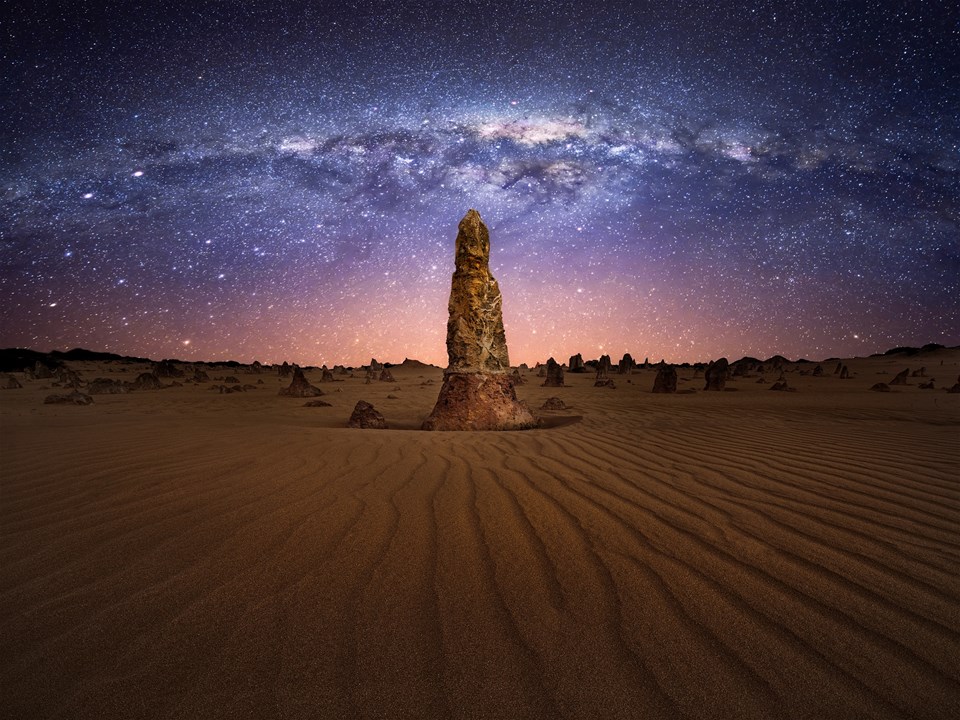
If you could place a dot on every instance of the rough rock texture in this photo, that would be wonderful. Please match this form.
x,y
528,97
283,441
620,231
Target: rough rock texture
x,y
477,391
9,382
317,403
666,380
39,371
386,376
901,377
553,403
326,375
366,417
626,365
166,369
517,378
554,374
300,386
716,374
107,386
603,366
74,398
375,366
147,381
575,365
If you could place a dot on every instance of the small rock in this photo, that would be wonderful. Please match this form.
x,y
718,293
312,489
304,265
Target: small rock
x,y
366,417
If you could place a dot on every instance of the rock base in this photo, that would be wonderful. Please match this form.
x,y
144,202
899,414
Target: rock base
x,y
478,401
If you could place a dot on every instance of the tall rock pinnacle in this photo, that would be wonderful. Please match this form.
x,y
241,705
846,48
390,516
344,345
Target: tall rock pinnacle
x,y
477,392
476,341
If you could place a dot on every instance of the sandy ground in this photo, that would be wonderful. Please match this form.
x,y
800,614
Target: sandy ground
x,y
748,554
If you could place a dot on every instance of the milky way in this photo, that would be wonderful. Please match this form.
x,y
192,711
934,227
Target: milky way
x,y
257,180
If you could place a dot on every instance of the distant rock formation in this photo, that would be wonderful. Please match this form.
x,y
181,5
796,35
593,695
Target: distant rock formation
x,y
9,382
838,368
666,379
603,366
626,365
517,378
375,366
716,374
74,398
575,365
300,387
553,403
881,387
955,388
284,370
901,377
553,374
845,373
166,369
817,372
927,385
922,372
326,375
231,380
386,376
606,382
107,386
477,391
39,371
256,367
366,417
200,376
782,387
147,381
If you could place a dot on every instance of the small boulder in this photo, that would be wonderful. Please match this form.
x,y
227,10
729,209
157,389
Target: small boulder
x,y
901,377
366,417
553,403
317,403
881,387
74,398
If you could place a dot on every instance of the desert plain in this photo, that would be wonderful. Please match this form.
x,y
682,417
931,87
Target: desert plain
x,y
183,553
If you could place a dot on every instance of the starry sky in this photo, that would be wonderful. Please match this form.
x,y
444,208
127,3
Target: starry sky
x,y
283,181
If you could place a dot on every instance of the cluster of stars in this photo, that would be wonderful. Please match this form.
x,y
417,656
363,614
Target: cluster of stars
x,y
656,181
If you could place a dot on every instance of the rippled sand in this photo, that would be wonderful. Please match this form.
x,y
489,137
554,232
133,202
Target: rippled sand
x,y
753,554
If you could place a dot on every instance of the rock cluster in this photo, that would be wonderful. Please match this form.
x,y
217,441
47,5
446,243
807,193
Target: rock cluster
x,y
477,391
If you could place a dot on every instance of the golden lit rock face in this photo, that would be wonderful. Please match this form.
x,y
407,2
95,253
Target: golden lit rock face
x,y
476,341
477,392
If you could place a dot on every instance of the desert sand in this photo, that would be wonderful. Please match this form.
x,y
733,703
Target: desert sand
x,y
751,554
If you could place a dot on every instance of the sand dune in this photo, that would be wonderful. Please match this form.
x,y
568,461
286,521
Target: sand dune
x,y
750,554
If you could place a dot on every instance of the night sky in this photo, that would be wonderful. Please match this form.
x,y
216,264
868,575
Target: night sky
x,y
262,180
